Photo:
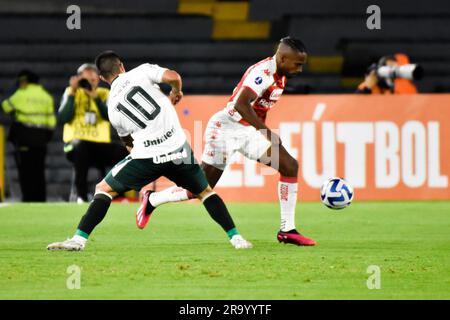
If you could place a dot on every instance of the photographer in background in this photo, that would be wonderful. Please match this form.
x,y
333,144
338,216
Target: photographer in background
x,y
33,121
87,132
391,75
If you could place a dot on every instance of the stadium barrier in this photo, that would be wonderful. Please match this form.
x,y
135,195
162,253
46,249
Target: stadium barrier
x,y
387,147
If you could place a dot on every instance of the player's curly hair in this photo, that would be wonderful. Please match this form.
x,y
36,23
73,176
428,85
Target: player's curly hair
x,y
294,43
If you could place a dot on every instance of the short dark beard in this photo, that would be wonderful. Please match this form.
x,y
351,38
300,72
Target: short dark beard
x,y
287,75
291,75
280,73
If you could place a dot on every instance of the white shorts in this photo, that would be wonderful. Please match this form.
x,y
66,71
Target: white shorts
x,y
224,136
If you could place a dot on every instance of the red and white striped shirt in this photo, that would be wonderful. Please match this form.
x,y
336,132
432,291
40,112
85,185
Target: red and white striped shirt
x,y
263,80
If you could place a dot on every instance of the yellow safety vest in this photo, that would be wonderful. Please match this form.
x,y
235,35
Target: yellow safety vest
x,y
32,106
78,129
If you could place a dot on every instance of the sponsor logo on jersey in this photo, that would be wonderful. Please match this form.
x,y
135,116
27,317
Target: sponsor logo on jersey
x,y
159,140
170,157
265,103
276,94
258,80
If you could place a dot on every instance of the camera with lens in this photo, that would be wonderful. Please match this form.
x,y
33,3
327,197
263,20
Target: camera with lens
x,y
85,84
407,71
387,70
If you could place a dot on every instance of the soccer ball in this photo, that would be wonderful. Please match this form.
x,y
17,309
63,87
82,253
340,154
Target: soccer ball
x,y
336,193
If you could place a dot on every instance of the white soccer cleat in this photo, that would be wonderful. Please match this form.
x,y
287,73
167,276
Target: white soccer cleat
x,y
67,245
238,242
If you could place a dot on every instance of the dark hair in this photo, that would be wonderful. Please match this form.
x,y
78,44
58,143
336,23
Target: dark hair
x,y
28,76
108,63
384,59
294,43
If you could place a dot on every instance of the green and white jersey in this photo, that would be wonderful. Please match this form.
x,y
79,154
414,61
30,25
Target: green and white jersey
x,y
138,107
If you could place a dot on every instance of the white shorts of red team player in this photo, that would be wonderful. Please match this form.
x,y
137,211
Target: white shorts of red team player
x,y
224,136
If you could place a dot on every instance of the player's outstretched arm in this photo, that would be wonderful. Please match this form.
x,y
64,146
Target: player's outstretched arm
x,y
173,79
244,107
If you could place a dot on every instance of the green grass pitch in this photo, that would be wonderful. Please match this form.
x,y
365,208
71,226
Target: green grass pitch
x,y
183,254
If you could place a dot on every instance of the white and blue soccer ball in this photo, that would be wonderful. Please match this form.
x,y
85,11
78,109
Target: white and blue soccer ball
x,y
336,193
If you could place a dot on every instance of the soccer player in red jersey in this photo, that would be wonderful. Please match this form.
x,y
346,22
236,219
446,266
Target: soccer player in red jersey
x,y
241,127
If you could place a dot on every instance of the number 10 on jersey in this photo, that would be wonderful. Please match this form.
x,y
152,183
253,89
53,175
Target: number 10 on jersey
x,y
146,108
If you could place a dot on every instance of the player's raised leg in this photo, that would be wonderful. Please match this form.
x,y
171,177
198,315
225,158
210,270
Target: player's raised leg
x,y
278,158
211,201
215,207
192,178
176,194
93,216
218,212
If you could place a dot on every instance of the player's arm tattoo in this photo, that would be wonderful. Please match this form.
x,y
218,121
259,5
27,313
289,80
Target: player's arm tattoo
x,y
128,142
